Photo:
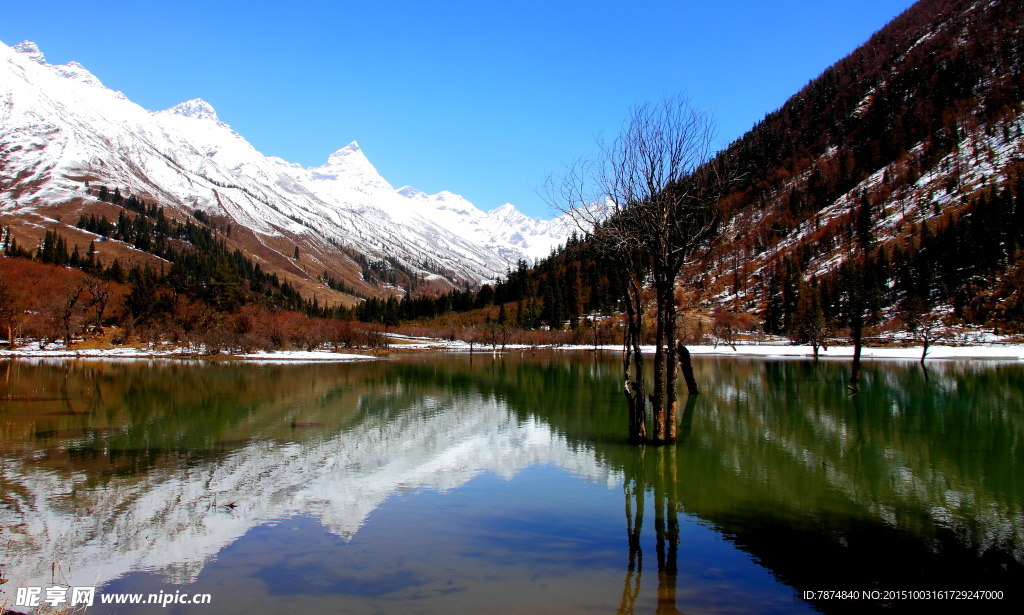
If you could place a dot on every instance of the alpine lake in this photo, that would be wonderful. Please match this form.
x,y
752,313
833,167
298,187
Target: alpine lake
x,y
451,483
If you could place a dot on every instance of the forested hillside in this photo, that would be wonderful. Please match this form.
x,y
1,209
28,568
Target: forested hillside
x,y
887,193
895,176
890,188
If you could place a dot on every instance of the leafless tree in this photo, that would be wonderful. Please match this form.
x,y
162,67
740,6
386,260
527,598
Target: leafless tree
x,y
310,334
650,200
723,327
506,333
100,293
67,311
811,325
490,334
598,330
11,307
469,334
926,327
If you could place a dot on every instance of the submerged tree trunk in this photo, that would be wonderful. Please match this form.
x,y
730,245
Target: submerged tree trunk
x,y
858,330
687,368
658,398
633,365
672,358
664,399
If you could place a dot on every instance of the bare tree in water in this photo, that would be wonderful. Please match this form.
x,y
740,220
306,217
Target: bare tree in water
x,y
650,200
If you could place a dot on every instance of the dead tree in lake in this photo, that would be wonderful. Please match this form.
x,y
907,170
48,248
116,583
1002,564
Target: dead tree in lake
x,y
650,200
686,366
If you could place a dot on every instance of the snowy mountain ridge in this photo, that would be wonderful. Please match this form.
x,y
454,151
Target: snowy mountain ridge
x,y
197,108
60,128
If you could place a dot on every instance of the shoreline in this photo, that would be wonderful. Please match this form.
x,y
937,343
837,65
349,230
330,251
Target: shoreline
x,y
132,353
983,351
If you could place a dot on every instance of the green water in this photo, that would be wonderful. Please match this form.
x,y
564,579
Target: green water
x,y
456,484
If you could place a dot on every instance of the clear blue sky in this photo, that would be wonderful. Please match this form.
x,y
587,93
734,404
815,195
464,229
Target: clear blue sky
x,y
480,98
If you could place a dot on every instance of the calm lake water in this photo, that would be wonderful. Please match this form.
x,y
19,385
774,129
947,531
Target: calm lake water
x,y
457,484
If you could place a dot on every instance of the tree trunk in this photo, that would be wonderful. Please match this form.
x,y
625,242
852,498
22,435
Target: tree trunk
x,y
672,359
635,390
658,398
10,338
627,388
687,367
858,330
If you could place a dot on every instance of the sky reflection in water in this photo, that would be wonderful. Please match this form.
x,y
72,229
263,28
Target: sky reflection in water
x,y
437,484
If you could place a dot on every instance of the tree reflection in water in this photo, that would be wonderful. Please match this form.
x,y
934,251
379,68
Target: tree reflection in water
x,y
913,483
666,518
634,492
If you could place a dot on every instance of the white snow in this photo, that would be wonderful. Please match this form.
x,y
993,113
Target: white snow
x,y
58,351
302,356
1006,352
59,125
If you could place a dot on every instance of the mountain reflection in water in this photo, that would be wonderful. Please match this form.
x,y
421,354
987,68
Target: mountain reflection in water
x,y
115,470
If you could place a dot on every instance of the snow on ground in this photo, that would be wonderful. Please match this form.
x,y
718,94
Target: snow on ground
x,y
1009,352
978,351
58,351
997,351
1004,352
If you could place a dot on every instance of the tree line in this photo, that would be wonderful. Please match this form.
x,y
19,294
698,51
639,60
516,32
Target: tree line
x,y
204,291
970,261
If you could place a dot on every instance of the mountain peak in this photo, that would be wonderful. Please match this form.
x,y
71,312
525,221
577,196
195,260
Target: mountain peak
x,y
351,164
410,192
31,50
507,211
72,71
346,153
196,108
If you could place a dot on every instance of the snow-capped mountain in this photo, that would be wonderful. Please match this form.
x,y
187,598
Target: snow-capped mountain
x,y
60,128
504,230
